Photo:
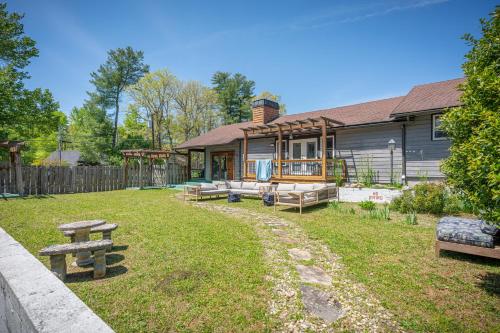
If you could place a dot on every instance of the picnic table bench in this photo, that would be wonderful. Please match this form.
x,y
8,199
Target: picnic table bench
x,y
58,253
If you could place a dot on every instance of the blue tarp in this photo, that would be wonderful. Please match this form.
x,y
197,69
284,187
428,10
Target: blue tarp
x,y
263,169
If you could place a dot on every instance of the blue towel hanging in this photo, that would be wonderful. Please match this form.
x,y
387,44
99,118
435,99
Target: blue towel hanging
x,y
263,170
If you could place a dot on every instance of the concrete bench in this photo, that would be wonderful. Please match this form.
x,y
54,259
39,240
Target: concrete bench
x,y
106,230
58,253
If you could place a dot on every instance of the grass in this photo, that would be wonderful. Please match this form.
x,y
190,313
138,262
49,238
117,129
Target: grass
x,y
396,261
173,268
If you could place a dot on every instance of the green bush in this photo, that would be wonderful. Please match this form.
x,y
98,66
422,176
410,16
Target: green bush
x,y
367,205
429,198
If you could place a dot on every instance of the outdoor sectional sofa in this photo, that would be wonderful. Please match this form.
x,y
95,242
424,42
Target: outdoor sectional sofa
x,y
467,236
303,195
223,188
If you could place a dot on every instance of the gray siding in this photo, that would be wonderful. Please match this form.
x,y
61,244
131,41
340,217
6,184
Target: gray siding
x,y
365,146
261,149
423,155
229,147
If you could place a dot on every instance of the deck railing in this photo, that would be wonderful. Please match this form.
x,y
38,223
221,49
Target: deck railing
x,y
303,168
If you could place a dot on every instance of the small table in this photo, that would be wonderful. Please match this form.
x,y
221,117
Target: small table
x,y
82,232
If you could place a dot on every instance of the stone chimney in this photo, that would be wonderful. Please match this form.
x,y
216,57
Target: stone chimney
x,y
264,111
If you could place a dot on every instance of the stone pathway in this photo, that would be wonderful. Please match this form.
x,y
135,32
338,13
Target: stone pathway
x,y
312,291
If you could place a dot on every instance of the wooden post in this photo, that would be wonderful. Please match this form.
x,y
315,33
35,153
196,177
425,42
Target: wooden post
x,y
245,154
189,165
19,172
323,148
140,171
280,139
125,173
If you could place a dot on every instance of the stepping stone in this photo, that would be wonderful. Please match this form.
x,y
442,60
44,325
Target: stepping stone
x,y
313,274
299,254
288,240
321,304
279,232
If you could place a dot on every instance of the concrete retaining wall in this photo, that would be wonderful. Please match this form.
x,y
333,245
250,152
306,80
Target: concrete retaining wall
x,y
32,299
351,194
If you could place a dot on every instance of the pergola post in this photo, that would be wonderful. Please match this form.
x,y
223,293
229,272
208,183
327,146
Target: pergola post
x,y
280,140
140,172
245,154
189,165
19,172
125,172
323,149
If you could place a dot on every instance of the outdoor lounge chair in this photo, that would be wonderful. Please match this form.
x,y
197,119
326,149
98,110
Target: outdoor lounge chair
x,y
204,190
467,236
255,189
303,195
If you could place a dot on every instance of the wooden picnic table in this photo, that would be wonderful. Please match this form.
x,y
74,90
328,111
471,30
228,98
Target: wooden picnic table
x,y
82,233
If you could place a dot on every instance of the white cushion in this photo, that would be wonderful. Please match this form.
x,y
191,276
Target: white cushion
x,y
209,192
304,187
233,184
244,191
208,186
282,187
320,186
248,185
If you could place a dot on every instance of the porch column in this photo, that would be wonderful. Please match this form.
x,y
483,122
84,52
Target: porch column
x,y
280,138
323,149
245,154
189,165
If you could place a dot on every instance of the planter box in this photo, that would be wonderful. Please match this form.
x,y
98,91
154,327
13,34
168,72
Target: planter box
x,y
378,195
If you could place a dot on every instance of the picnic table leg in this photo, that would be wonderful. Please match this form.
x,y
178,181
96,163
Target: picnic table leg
x,y
99,264
58,266
83,258
107,235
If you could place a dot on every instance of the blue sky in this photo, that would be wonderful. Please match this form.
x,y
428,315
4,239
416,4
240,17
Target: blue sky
x,y
315,54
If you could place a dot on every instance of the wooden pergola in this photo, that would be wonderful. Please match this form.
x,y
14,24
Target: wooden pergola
x,y
141,154
14,149
319,125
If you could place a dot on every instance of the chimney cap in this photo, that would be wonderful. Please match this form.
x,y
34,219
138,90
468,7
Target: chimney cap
x,y
265,102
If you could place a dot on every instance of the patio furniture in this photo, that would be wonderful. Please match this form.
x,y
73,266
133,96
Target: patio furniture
x,y
204,190
82,232
105,229
467,236
58,253
255,189
233,197
303,195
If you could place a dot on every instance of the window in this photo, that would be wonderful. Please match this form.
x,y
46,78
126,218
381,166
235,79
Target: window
x,y
297,150
437,134
311,150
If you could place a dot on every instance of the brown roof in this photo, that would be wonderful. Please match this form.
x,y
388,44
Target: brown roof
x,y
423,97
431,96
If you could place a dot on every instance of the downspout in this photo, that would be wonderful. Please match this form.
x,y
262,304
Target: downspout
x,y
239,159
403,154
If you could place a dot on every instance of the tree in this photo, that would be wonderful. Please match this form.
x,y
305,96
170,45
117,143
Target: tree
x,y
133,132
473,166
90,131
195,106
276,98
123,68
154,94
23,113
234,95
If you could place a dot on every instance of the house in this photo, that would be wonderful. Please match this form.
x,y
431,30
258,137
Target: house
x,y
390,140
66,157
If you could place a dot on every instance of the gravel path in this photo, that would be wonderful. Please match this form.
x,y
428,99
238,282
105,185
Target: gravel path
x,y
311,290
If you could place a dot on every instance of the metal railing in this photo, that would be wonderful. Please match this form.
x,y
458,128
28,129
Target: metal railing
x,y
303,168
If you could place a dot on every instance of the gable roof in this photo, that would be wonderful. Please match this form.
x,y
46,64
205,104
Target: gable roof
x,y
422,97
431,96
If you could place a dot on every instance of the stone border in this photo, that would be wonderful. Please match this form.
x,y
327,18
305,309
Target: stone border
x,y
377,195
32,299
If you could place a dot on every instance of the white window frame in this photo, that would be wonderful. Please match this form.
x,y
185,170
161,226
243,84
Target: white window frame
x,y
434,138
303,143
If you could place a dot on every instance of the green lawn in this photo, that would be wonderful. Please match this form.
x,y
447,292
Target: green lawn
x,y
455,293
174,268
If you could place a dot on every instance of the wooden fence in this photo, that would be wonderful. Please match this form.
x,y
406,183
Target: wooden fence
x,y
57,180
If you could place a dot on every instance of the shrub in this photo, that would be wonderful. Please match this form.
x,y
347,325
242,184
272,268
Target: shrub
x,y
429,198
403,203
367,205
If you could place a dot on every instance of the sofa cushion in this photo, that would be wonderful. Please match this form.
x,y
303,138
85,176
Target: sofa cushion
x,y
233,184
245,191
212,192
304,187
463,231
282,187
319,186
248,185
208,186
